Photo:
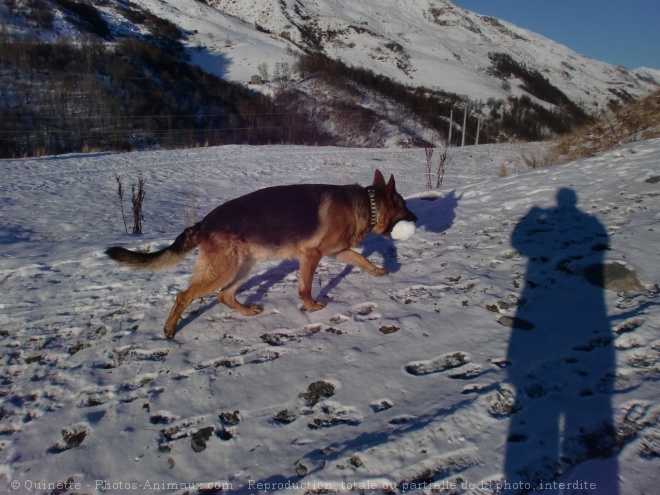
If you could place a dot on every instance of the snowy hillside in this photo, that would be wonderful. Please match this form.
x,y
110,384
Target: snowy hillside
x,y
433,44
486,357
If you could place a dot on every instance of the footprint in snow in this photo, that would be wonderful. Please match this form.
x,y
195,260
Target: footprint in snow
x,y
283,337
440,364
224,362
365,312
72,437
330,413
325,413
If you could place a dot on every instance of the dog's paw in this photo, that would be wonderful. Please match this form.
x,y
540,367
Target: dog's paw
x,y
315,305
380,272
169,332
253,309
250,310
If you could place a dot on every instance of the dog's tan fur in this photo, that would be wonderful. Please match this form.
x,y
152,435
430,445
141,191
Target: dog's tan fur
x,y
235,236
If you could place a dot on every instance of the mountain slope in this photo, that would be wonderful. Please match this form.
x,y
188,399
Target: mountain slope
x,y
418,42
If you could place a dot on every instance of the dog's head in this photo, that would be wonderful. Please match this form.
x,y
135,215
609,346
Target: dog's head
x,y
390,205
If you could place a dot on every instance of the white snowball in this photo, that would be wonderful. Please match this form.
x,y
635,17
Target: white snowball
x,y
403,231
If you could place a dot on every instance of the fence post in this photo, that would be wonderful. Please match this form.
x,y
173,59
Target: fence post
x,y
451,123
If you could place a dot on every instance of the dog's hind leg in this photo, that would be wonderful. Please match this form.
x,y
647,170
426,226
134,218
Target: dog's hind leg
x,y
211,272
227,295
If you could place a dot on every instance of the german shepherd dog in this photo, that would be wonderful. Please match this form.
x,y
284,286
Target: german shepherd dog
x,y
303,222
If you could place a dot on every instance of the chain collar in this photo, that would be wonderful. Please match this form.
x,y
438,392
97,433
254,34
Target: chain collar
x,y
373,209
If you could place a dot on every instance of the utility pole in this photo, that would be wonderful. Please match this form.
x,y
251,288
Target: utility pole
x,y
451,123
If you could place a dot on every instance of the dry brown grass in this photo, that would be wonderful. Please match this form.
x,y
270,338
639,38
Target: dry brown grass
x,y
545,157
633,122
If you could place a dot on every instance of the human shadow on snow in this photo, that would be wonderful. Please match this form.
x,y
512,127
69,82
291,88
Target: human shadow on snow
x,y
561,355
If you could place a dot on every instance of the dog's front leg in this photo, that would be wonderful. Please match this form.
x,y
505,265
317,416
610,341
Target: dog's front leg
x,y
308,263
354,258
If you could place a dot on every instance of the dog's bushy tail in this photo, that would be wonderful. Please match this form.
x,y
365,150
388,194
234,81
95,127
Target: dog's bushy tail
x,y
160,260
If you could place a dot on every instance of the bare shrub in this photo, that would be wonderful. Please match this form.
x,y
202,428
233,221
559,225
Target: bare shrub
x,y
138,200
539,158
120,191
429,161
443,160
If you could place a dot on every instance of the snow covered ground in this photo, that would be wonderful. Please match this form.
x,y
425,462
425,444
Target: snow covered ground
x,y
490,359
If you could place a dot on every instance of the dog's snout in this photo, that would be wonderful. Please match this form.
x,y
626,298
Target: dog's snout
x,y
410,216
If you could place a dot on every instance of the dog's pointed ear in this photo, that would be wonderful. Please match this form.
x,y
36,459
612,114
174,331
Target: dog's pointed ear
x,y
391,186
379,180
